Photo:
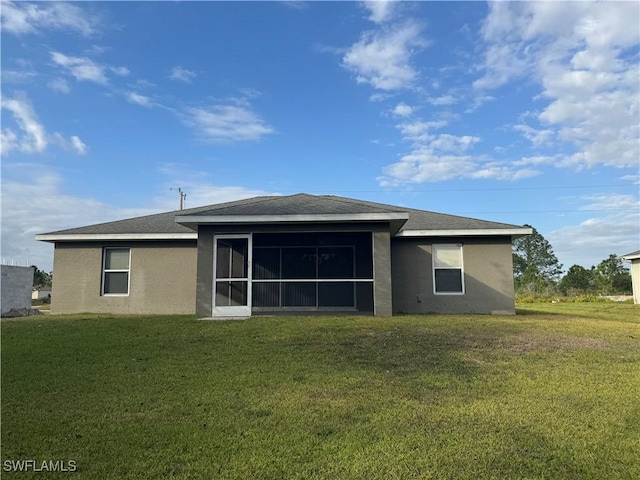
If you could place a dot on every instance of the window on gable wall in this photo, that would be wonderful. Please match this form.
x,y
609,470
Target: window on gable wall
x,y
448,272
115,271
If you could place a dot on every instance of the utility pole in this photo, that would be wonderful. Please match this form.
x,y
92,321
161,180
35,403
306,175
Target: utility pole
x,y
183,196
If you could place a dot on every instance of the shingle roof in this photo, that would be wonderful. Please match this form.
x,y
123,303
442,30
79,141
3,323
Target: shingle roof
x,y
299,204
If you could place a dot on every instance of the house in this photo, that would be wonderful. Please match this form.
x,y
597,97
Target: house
x,y
286,254
41,293
634,258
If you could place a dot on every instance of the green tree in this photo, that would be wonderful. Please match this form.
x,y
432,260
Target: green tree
x,y
577,279
41,278
611,276
535,266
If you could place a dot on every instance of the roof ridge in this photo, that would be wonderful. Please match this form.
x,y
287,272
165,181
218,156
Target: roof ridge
x,y
393,208
247,201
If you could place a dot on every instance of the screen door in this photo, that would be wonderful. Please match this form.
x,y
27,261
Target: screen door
x,y
232,273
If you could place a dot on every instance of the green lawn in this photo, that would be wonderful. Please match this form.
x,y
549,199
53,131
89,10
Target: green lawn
x,y
553,392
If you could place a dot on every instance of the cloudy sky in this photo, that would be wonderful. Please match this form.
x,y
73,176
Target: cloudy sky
x,y
513,111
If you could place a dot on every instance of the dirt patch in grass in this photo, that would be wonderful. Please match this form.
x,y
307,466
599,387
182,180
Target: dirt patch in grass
x,y
529,342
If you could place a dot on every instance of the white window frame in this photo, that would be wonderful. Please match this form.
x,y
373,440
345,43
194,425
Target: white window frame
x,y
434,249
105,271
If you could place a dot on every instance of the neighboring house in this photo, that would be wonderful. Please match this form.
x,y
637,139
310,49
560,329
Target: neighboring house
x,y
41,293
15,284
286,254
634,258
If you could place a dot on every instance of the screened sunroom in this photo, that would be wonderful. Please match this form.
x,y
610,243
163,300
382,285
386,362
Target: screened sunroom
x,y
301,272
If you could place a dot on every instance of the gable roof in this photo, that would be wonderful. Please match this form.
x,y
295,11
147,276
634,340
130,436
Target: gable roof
x,y
180,224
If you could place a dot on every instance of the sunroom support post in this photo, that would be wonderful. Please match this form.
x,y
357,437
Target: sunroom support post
x,y
382,273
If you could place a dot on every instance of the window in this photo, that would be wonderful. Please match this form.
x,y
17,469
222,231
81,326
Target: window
x,y
448,275
115,274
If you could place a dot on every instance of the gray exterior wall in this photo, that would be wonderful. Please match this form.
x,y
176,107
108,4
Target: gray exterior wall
x,y
382,274
162,278
204,294
488,277
17,283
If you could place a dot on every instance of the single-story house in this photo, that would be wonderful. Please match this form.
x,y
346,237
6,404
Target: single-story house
x,y
286,254
634,258
41,293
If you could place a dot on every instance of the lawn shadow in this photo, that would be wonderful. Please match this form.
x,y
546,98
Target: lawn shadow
x,y
395,350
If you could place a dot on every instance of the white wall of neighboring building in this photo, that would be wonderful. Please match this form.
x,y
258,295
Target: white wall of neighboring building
x,y
635,278
41,294
634,258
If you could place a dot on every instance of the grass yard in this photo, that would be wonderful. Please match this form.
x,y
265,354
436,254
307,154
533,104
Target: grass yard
x,y
552,393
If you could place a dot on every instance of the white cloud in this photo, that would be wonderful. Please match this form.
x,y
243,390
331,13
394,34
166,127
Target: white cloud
x,y
537,137
142,83
380,11
33,137
226,123
383,58
418,131
82,68
425,165
120,71
436,157
615,229
453,143
73,144
402,110
22,74
138,99
24,18
580,53
85,69
295,4
78,145
442,100
182,74
59,85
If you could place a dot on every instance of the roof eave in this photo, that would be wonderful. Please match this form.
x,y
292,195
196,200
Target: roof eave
x,y
514,233
94,237
396,219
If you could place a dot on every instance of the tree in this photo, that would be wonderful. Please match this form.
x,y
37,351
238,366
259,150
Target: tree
x,y
41,278
577,278
535,266
611,276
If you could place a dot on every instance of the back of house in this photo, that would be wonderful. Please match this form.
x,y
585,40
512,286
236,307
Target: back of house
x,y
301,254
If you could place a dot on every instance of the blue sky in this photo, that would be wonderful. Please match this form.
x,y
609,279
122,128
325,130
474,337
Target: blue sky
x,y
518,112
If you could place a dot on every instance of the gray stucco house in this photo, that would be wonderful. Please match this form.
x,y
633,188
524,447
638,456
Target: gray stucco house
x,y
286,254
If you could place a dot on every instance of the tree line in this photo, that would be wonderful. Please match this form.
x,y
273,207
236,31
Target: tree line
x,y
41,278
537,271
